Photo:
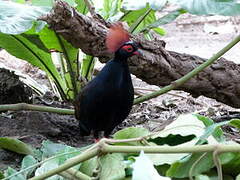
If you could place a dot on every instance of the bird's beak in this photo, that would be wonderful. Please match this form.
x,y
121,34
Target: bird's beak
x,y
138,52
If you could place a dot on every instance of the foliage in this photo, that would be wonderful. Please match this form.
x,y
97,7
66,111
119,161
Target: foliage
x,y
142,166
30,39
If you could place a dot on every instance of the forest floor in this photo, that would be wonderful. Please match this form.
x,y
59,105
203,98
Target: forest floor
x,y
202,36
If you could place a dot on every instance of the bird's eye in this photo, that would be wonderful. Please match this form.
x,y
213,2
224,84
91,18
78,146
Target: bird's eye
x,y
128,48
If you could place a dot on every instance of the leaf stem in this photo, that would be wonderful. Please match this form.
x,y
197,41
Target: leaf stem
x,y
188,76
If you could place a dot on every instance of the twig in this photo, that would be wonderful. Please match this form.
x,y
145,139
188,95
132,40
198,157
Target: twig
x,y
30,107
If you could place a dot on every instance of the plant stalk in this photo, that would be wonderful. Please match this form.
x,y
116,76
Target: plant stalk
x,y
188,76
169,149
74,161
24,106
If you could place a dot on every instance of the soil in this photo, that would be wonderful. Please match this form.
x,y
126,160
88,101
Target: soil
x,y
189,35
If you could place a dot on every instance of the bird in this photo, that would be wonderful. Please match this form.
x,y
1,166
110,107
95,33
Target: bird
x,y
108,98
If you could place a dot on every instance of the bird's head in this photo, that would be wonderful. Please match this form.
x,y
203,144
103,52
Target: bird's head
x,y
118,42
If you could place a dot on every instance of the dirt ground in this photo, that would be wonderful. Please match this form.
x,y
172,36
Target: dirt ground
x,y
202,36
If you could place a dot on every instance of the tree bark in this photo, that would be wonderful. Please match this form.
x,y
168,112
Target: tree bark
x,y
156,66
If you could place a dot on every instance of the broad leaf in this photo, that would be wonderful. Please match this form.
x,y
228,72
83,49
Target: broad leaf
x,y
15,145
47,166
112,167
27,162
210,7
87,167
49,148
164,20
10,171
172,140
143,169
131,132
23,47
18,18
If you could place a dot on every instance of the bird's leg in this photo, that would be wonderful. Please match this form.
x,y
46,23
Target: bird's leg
x,y
98,135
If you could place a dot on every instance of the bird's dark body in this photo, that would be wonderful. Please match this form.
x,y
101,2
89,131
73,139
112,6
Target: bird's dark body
x,y
106,100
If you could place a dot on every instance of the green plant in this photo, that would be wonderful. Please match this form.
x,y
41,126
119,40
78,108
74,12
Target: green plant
x,y
202,152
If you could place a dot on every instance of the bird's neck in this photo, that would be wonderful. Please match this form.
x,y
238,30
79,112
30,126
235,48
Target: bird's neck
x,y
120,59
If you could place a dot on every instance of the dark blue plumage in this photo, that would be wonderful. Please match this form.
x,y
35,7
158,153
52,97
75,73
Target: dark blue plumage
x,y
107,100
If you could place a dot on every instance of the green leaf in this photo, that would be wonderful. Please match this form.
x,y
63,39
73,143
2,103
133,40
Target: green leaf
x,y
164,20
23,48
160,31
172,140
235,123
17,18
27,162
1,175
131,132
15,145
113,167
136,5
81,6
47,166
139,19
210,131
181,168
87,67
210,7
143,169
10,171
87,167
49,148
212,128
231,162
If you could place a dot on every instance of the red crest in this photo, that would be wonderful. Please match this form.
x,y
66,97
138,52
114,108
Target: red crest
x,y
116,37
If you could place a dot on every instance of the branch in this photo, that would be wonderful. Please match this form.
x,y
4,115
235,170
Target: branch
x,y
157,66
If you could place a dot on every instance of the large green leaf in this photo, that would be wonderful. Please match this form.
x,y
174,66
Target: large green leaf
x,y
172,140
24,48
131,132
143,169
17,18
88,167
164,20
10,171
210,7
112,167
15,145
28,161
